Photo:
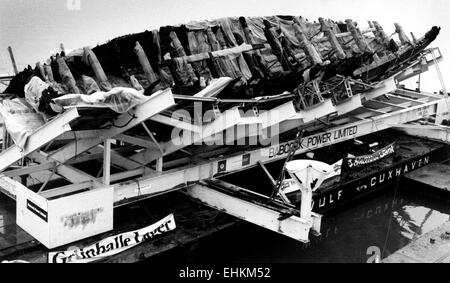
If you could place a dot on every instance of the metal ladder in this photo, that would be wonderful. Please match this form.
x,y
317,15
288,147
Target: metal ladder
x,y
441,79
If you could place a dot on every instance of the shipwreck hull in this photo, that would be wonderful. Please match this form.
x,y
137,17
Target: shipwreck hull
x,y
263,56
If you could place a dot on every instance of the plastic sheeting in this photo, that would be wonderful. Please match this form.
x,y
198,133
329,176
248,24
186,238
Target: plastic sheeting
x,y
198,44
230,27
20,120
33,91
201,25
119,99
270,61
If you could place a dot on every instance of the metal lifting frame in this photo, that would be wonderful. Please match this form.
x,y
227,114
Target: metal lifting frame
x,y
93,138
285,116
362,122
367,122
358,116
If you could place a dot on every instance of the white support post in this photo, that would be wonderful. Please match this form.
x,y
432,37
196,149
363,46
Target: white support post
x,y
107,162
309,175
305,207
159,165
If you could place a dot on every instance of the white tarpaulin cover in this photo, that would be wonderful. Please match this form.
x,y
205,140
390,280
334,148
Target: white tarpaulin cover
x,y
20,120
115,244
119,99
33,91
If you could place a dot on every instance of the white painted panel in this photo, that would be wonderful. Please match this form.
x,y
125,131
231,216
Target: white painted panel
x,y
80,216
32,213
8,186
349,105
64,220
316,111
277,115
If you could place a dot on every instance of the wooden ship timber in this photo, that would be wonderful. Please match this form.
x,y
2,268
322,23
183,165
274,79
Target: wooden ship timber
x,y
286,58
103,119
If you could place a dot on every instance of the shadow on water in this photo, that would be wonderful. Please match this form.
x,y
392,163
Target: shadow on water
x,y
387,220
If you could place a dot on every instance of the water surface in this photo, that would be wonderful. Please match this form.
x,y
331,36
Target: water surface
x,y
387,220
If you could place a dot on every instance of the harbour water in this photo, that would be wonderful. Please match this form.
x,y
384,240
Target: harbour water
x,y
368,231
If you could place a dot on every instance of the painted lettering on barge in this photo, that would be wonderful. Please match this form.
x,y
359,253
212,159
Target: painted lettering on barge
x,y
328,199
392,174
353,190
311,142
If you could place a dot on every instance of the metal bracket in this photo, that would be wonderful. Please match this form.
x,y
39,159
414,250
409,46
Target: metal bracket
x,y
256,111
216,110
317,90
348,88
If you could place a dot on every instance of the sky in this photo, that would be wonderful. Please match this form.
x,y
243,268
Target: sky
x,y
35,28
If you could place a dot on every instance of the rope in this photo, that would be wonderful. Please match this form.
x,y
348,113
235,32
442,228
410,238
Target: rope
x,y
390,220
374,124
140,201
133,116
110,125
